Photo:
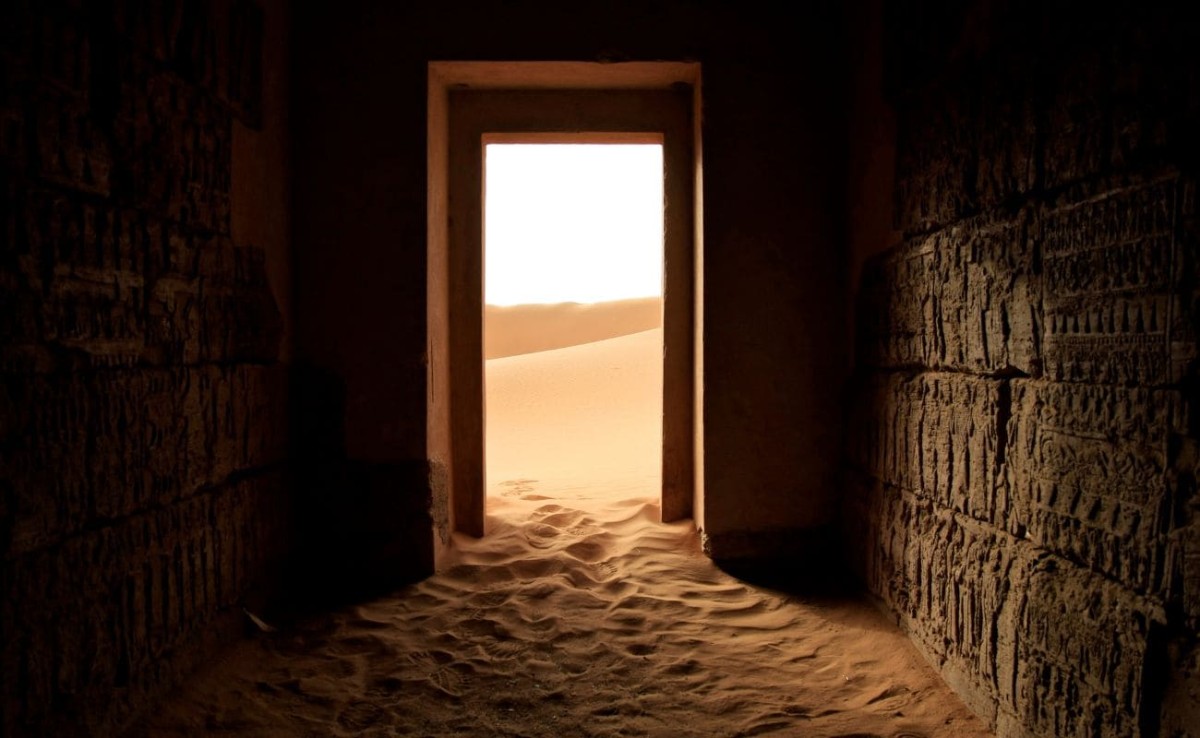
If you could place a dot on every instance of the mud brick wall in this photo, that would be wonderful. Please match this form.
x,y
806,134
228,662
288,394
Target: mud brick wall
x,y
142,423
1023,438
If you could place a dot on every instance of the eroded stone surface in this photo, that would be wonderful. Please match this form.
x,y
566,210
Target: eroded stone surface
x,y
957,299
141,400
1089,467
1107,262
1023,440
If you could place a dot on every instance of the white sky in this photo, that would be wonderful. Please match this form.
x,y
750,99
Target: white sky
x,y
572,222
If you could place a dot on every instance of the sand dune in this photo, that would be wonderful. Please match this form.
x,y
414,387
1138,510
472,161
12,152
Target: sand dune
x,y
523,329
579,614
582,421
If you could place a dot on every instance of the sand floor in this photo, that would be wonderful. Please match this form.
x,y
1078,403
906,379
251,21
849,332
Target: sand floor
x,y
579,614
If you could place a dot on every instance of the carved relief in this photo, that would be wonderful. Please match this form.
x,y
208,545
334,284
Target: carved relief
x,y
1107,271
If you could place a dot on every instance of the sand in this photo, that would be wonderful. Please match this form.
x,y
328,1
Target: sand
x,y
604,442
579,613
522,329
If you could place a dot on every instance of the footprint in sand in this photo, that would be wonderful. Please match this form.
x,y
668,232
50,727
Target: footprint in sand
x,y
437,668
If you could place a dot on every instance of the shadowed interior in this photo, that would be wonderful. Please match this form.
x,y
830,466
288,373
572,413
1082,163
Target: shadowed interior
x,y
933,330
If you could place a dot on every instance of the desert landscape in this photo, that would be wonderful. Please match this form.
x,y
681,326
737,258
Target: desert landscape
x,y
579,613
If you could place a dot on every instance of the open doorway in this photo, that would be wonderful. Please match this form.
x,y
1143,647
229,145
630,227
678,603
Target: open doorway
x,y
473,102
573,340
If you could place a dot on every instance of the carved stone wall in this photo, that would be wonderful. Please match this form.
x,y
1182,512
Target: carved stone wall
x,y
142,404
1023,443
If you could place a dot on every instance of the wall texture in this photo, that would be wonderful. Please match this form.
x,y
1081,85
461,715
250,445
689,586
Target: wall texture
x,y
1023,449
142,403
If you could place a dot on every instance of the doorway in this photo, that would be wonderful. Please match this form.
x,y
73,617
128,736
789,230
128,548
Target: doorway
x,y
573,257
473,101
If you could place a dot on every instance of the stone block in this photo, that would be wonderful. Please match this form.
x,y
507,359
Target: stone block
x,y
43,464
1116,105
1045,646
105,320
963,298
890,514
1088,474
962,442
92,448
884,430
1043,582
984,289
129,606
1083,651
1106,263
121,288
966,573
955,584
892,303
205,306
937,435
78,276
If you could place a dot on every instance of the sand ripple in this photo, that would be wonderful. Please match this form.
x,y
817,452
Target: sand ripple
x,y
588,621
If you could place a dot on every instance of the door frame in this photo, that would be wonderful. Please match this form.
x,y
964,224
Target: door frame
x,y
472,103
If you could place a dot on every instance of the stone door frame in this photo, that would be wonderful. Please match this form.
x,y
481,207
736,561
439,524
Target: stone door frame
x,y
474,103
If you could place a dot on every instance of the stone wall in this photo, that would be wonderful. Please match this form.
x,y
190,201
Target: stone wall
x,y
142,423
1023,443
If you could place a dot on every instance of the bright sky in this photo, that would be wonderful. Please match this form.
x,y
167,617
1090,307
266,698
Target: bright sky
x,y
572,222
